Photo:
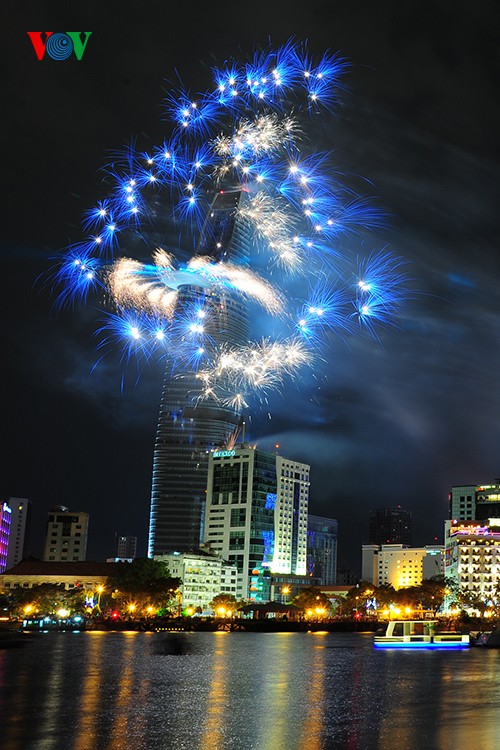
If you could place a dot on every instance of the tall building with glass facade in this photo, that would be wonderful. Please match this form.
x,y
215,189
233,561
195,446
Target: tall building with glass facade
x,y
256,516
187,430
322,549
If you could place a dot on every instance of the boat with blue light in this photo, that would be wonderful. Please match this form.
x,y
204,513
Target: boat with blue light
x,y
415,634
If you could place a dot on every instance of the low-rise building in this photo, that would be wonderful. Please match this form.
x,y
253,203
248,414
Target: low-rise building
x,y
204,575
400,566
30,573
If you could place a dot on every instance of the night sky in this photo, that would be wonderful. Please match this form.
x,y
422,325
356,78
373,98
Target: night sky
x,y
391,422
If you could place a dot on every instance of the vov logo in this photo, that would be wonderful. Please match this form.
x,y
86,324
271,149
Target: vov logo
x,y
59,45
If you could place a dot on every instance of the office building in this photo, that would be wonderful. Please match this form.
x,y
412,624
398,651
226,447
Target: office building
x,y
399,566
256,515
462,502
390,526
204,575
475,502
66,535
322,549
125,548
188,430
5,519
473,558
19,529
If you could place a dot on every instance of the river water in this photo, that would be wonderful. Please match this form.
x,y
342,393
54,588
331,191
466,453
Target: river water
x,y
239,691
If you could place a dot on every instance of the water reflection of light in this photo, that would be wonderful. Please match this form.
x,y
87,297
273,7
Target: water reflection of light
x,y
312,728
276,692
14,723
213,734
125,695
473,720
87,707
51,719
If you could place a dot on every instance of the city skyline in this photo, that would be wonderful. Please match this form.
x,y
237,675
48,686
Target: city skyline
x,y
395,422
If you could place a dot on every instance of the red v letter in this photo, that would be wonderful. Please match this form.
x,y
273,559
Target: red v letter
x,y
36,40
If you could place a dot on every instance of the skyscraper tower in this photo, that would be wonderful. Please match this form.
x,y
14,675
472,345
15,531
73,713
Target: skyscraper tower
x,y
187,431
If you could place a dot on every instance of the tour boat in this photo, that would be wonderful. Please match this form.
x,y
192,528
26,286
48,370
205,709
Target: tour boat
x,y
419,634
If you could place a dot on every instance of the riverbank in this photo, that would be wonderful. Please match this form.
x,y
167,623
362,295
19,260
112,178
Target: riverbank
x,y
199,624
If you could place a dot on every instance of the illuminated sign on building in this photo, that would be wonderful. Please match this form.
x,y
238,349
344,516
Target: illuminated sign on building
x,y
472,530
223,454
270,501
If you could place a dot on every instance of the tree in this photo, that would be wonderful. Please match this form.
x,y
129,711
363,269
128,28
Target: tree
x,y
45,599
313,602
224,603
362,600
143,585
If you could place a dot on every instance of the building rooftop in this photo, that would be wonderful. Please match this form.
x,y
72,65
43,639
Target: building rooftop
x,y
82,568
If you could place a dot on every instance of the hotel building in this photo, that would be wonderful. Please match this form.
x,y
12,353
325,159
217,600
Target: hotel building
x,y
472,557
399,566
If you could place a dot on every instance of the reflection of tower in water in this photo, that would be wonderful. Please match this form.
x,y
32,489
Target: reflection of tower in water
x,y
187,430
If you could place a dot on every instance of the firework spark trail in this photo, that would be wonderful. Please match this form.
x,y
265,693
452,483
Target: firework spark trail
x,y
247,133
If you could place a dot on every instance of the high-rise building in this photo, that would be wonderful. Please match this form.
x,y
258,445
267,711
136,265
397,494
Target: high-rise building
x,y
19,529
390,526
188,430
5,519
66,535
256,515
322,549
475,502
